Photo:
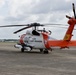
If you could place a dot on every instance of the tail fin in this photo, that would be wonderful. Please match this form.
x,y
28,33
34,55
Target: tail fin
x,y
71,22
68,34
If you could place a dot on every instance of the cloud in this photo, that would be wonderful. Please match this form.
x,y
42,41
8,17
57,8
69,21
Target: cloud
x,y
2,2
29,11
25,10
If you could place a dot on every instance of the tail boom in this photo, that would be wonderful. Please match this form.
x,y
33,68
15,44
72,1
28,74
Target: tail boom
x,y
62,43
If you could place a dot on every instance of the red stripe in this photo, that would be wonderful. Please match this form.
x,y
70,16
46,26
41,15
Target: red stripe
x,y
46,42
22,38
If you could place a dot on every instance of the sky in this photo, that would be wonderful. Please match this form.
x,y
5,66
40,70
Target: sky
x,y
30,11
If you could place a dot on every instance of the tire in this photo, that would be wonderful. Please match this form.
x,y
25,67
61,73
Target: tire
x,y
41,50
22,49
46,51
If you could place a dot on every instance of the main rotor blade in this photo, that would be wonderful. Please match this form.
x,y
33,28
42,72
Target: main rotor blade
x,y
52,24
74,10
15,25
22,29
30,25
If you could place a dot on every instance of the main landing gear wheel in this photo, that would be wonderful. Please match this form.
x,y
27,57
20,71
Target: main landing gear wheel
x,y
22,49
41,50
46,51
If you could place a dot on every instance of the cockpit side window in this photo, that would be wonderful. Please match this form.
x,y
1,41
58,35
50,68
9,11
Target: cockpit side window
x,y
35,33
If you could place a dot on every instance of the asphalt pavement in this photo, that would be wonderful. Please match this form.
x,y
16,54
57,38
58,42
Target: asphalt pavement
x,y
57,62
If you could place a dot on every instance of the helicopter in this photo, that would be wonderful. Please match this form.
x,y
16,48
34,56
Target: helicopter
x,y
41,39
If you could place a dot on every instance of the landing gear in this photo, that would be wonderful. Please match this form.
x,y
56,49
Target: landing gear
x,y
41,50
22,49
46,51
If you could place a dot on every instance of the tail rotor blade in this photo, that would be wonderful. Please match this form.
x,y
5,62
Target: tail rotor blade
x,y
74,10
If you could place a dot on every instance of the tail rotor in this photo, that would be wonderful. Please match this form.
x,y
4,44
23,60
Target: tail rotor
x,y
74,10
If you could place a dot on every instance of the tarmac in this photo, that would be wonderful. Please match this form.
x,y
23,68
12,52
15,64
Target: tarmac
x,y
57,62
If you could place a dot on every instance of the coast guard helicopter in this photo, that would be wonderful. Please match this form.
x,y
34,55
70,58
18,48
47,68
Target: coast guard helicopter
x,y
40,39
